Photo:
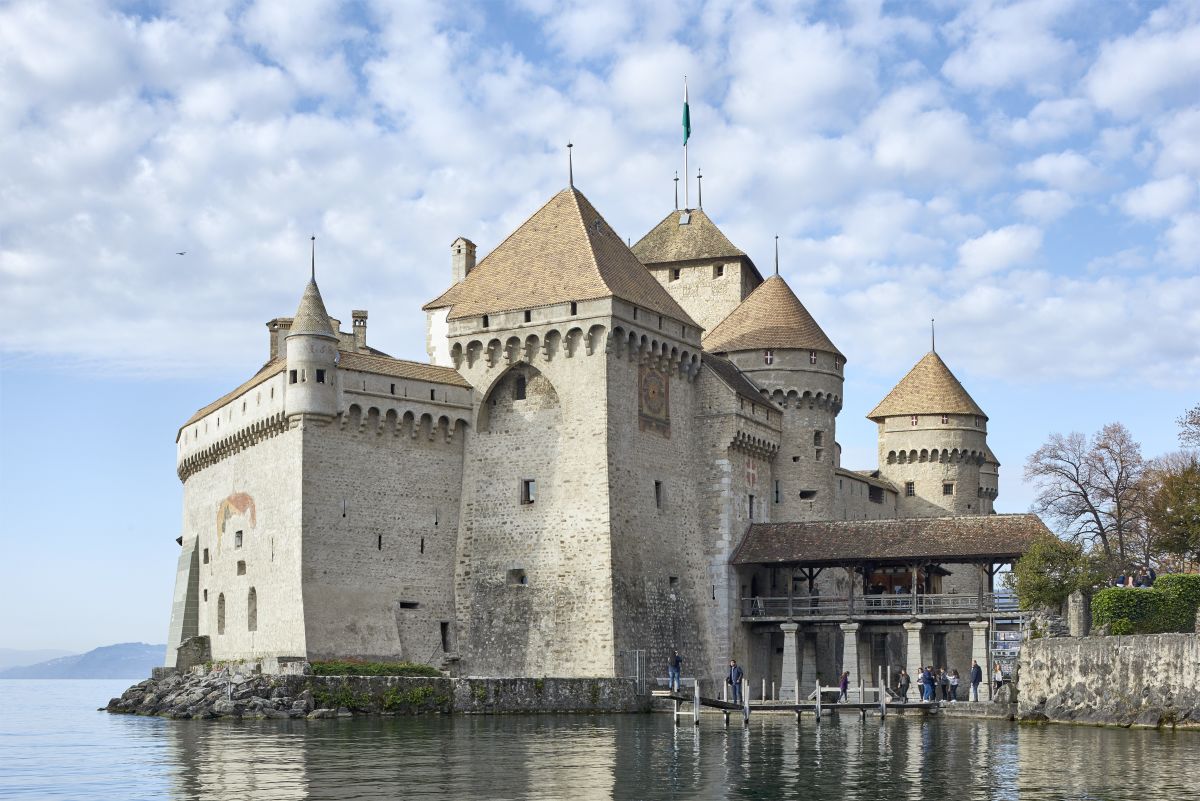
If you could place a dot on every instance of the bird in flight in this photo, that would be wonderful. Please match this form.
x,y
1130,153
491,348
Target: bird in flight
x,y
181,253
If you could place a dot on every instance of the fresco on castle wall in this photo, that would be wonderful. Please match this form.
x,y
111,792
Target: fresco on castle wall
x,y
239,503
654,400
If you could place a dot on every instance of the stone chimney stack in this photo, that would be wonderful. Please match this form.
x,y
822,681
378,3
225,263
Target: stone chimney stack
x,y
360,328
462,258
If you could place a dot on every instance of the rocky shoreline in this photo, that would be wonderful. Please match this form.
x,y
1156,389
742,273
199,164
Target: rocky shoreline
x,y
227,692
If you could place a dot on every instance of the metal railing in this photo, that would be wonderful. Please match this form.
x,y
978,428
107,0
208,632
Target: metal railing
x,y
957,604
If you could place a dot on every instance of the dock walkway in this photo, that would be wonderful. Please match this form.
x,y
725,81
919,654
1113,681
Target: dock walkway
x,y
691,704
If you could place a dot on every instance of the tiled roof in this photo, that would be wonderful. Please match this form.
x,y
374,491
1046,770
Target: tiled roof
x,y
271,368
699,238
734,378
869,476
771,317
964,538
311,317
564,252
929,388
401,368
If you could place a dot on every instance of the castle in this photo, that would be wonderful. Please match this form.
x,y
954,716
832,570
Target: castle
x,y
614,452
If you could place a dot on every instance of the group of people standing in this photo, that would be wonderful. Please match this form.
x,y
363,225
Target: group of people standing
x,y
932,682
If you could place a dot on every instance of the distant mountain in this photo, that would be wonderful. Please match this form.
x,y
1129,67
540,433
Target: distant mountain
x,y
127,660
12,657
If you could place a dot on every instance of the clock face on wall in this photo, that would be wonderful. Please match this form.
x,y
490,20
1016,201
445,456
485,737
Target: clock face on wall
x,y
654,408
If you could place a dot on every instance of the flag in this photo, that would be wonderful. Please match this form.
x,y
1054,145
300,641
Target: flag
x,y
687,118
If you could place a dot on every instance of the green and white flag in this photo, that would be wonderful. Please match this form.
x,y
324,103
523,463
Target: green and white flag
x,y
687,118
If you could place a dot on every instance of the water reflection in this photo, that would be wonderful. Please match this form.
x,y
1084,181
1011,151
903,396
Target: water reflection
x,y
53,746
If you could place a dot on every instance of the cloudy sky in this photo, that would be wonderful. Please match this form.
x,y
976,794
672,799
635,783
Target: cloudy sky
x,y
1028,173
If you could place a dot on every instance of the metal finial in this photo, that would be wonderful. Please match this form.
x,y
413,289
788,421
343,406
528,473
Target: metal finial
x,y
932,337
570,167
313,266
777,254
699,189
677,190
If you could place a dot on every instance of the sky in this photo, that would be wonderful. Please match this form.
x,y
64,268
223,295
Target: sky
x,y
1026,173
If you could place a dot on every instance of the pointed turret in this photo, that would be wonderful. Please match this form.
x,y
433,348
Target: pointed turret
x,y
928,388
772,317
311,318
312,348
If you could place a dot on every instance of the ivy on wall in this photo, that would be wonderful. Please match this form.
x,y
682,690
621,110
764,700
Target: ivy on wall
x,y
1169,606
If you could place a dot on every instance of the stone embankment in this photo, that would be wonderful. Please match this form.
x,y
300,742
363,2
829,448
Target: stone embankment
x,y
227,693
1141,680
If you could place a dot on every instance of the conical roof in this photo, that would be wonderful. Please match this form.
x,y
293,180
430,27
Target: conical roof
x,y
564,252
771,317
929,388
311,317
674,240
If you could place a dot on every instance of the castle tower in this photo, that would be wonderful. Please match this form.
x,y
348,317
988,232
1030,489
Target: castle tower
x,y
580,519
933,444
698,265
773,339
312,352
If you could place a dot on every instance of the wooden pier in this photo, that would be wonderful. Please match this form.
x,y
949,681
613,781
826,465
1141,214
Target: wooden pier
x,y
690,705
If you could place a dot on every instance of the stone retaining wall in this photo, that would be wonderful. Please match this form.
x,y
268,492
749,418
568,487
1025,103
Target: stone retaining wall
x,y
979,709
1143,680
226,693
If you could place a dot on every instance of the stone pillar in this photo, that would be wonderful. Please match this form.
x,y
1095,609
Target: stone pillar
x,y
1079,614
790,679
850,650
808,664
980,652
912,653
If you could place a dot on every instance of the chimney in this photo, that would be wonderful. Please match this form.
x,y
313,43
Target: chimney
x,y
462,258
360,328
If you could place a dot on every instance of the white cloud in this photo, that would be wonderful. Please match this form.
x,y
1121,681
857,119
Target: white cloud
x,y
1068,171
1179,136
1182,243
1159,199
1139,73
1051,120
1044,205
1005,45
999,250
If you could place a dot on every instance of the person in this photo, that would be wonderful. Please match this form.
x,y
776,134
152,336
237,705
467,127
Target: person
x,y
954,679
902,685
734,679
844,687
927,684
674,665
976,678
997,679
944,684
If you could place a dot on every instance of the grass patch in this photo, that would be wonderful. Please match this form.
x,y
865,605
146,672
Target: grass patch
x,y
351,667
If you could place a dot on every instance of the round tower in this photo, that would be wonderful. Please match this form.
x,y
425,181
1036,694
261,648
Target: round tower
x,y
312,354
773,339
933,444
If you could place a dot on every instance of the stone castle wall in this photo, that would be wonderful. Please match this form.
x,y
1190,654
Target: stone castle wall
x,y
906,454
706,296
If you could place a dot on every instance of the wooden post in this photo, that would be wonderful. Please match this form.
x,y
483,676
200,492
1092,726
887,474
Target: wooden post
x,y
818,700
676,702
774,697
913,597
725,712
882,702
790,593
849,595
764,690
696,703
746,702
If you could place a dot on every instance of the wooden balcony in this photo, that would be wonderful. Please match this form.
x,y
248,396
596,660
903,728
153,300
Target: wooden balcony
x,y
879,608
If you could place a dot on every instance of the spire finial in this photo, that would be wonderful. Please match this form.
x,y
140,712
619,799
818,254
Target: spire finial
x,y
777,254
313,266
570,167
699,189
677,190
932,337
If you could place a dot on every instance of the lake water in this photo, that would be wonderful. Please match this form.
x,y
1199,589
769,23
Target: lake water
x,y
55,745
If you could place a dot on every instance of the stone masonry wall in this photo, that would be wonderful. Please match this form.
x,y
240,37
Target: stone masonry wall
x,y
1145,680
705,296
899,438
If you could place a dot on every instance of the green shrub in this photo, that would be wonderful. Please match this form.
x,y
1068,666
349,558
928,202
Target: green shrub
x,y
396,698
1180,594
1169,606
324,698
350,667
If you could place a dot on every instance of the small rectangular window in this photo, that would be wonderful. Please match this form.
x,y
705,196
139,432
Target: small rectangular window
x,y
292,376
206,596
910,489
206,556
485,321
875,494
818,436
912,421
673,582
945,419
768,357
237,539
948,488
837,362
528,316
777,500
241,568
812,357
718,271
409,605
820,453
658,494
979,422
516,578
528,490
320,376
393,389
574,308
751,506
660,322
445,627
433,394
675,274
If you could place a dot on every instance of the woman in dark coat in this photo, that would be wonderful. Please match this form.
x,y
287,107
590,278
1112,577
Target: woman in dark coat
x,y
844,687
902,685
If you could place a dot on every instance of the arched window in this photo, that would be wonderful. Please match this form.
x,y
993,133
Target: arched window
x,y
221,613
252,610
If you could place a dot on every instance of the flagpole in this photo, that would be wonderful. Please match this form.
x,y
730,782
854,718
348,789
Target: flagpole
x,y
686,132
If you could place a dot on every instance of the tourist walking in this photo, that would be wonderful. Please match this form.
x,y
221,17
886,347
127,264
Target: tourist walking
x,y
902,684
674,666
734,679
844,687
926,684
997,680
954,686
976,678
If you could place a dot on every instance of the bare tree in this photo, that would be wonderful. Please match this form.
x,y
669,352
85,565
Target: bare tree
x,y
1189,427
1092,490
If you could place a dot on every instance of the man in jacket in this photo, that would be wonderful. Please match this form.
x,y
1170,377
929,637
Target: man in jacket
x,y
674,666
735,680
976,679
